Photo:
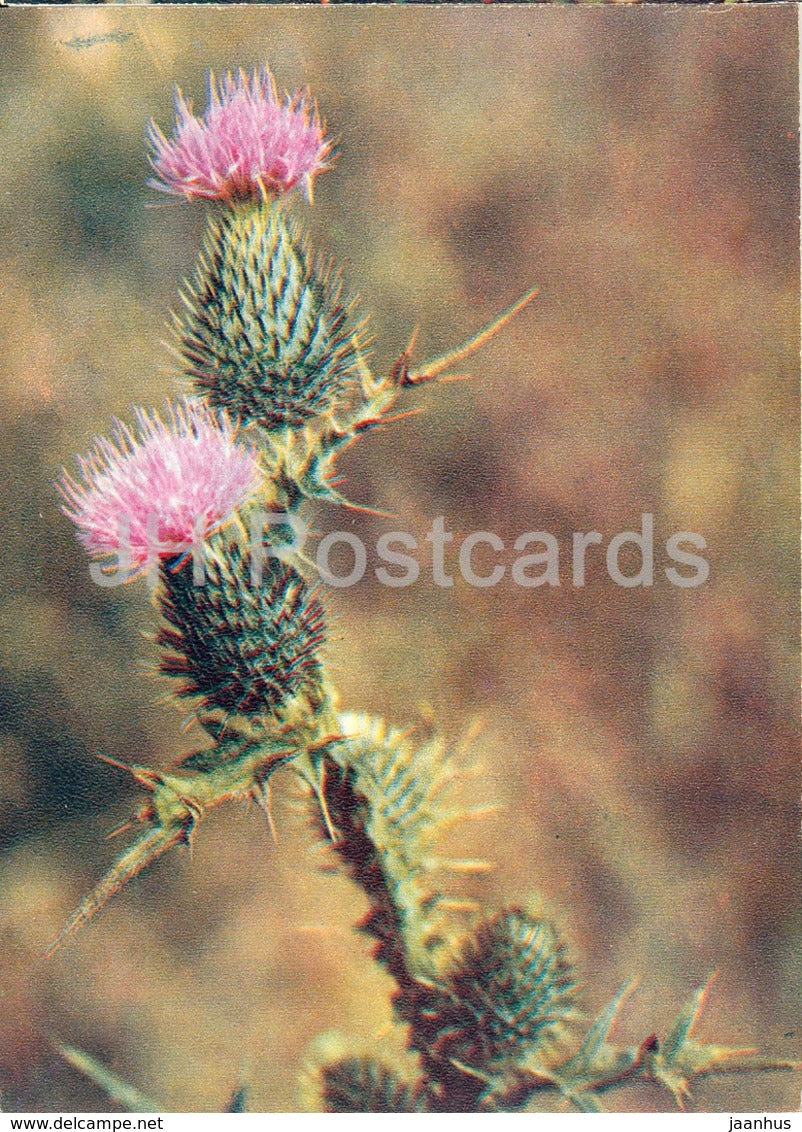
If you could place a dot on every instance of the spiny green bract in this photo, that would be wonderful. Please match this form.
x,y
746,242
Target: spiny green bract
x,y
401,813
266,335
359,1084
508,996
243,644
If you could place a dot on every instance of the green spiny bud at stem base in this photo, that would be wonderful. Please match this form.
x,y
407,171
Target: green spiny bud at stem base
x,y
509,994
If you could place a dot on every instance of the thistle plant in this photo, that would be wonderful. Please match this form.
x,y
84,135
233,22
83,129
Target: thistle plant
x,y
277,359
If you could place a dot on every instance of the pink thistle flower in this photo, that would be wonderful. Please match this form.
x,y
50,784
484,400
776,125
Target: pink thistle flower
x,y
249,145
159,491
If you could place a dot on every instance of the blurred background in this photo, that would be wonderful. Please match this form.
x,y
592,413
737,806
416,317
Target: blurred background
x,y
641,166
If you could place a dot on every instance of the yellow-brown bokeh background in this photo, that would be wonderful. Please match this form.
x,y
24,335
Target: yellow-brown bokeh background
x,y
641,166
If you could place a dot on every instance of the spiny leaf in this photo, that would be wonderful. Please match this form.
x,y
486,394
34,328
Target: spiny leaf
x,y
679,1058
704,1060
376,406
595,1055
179,798
679,1032
151,844
129,1097
433,367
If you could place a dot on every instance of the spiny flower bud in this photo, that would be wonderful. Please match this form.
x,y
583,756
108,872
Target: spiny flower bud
x,y
242,644
510,993
266,334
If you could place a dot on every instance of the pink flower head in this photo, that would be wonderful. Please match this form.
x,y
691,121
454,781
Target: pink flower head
x,y
159,491
249,145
